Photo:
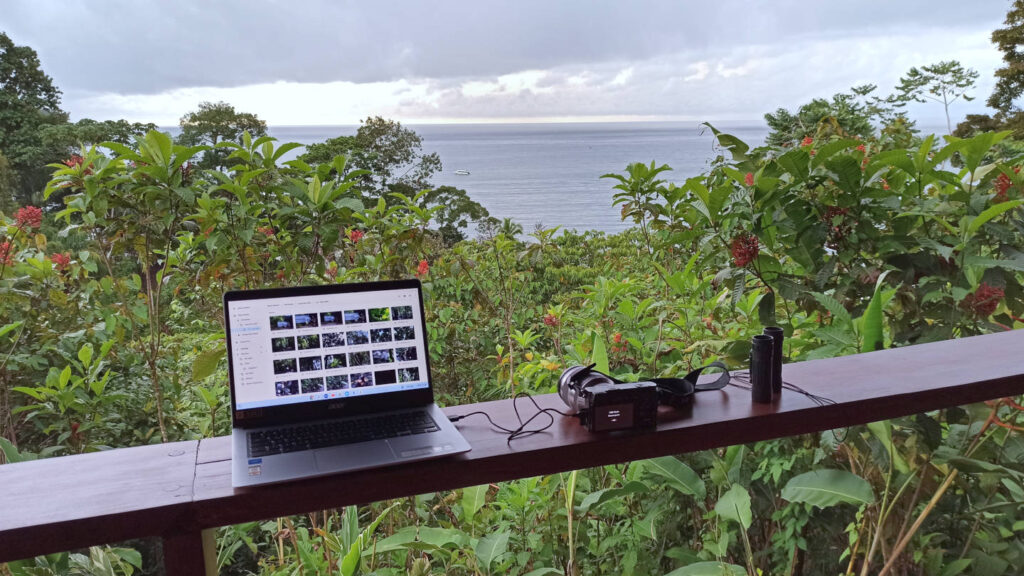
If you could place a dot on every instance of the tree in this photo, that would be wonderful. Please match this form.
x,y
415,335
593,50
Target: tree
x,y
70,137
846,115
944,83
217,122
456,210
1009,78
28,103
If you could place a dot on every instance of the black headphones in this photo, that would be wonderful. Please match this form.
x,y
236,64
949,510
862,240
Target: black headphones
x,y
674,392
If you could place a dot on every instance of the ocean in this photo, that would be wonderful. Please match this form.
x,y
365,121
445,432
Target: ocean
x,y
550,174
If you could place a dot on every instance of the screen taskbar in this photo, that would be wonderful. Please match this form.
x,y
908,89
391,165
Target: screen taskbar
x,y
312,397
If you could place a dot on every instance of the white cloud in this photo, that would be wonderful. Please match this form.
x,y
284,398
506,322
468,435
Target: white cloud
x,y
700,71
623,77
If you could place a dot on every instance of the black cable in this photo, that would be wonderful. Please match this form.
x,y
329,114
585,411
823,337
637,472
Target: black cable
x,y
521,431
743,379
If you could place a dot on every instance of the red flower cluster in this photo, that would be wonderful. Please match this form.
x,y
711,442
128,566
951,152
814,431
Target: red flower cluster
x,y
1002,186
862,149
422,269
745,248
617,338
355,235
75,160
807,141
984,301
6,254
885,184
266,231
280,275
749,179
61,260
551,320
837,232
29,217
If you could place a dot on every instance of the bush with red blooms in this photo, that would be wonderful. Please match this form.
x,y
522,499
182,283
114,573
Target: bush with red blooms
x,y
745,248
61,260
422,269
984,301
6,254
1001,185
266,231
551,320
355,236
28,217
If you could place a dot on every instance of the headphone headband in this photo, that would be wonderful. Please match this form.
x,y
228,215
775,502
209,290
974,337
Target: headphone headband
x,y
675,392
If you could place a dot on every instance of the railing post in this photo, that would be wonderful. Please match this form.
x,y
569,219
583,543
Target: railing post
x,y
190,553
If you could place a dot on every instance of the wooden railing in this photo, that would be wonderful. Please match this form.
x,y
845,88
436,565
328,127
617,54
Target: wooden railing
x,y
182,490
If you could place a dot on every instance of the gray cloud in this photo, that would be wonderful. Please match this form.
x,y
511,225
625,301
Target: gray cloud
x,y
125,46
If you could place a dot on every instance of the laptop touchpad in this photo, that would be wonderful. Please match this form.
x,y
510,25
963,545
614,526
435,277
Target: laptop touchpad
x,y
353,456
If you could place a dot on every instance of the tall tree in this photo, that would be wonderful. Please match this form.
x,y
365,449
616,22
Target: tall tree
x,y
87,132
846,114
945,83
1009,78
217,122
28,102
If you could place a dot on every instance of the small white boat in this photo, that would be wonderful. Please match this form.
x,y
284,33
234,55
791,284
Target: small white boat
x,y
462,172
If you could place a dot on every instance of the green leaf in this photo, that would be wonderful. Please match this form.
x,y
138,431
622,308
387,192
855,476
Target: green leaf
x,y
990,213
472,500
839,313
85,355
956,567
828,487
679,476
206,362
735,505
709,569
8,327
489,548
599,497
766,309
600,354
873,318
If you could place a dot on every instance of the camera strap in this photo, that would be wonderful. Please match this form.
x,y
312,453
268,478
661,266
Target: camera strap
x,y
678,392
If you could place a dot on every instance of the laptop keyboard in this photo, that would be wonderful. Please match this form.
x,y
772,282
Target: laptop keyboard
x,y
339,432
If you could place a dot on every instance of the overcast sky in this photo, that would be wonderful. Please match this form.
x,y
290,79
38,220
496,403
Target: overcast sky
x,y
333,62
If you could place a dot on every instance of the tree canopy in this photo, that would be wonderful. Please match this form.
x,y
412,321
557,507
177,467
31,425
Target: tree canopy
x,y
847,114
29,102
216,122
1010,78
945,83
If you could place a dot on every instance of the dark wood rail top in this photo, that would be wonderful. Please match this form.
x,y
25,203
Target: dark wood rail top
x,y
166,490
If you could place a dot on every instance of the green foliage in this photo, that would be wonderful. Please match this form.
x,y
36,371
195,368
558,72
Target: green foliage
x,y
216,122
945,83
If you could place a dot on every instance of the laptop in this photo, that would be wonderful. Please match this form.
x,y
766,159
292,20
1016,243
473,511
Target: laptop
x,y
328,379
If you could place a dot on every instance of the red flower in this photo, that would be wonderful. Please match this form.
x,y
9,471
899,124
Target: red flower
x,y
1002,186
6,254
885,184
551,320
75,160
745,248
355,235
29,217
617,338
266,231
749,179
838,225
862,148
280,275
984,301
208,231
422,269
61,260
807,141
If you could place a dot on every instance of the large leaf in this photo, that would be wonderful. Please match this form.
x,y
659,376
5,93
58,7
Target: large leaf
x,y
600,355
601,496
735,505
990,213
709,569
824,488
206,362
489,548
472,499
873,319
679,476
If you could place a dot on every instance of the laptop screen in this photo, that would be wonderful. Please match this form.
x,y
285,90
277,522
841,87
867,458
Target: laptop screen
x,y
311,348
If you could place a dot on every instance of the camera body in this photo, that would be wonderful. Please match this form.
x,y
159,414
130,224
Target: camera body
x,y
620,406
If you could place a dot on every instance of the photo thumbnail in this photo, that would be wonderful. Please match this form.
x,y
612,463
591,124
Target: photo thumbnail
x,y
305,321
287,388
378,335
309,341
330,318
333,339
361,380
383,356
405,333
337,382
358,358
380,314
281,323
310,363
285,366
355,316
408,374
384,377
401,313
335,361
283,344
405,354
310,385
357,337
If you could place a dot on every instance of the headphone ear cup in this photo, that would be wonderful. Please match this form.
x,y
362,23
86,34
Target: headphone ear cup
x,y
574,380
